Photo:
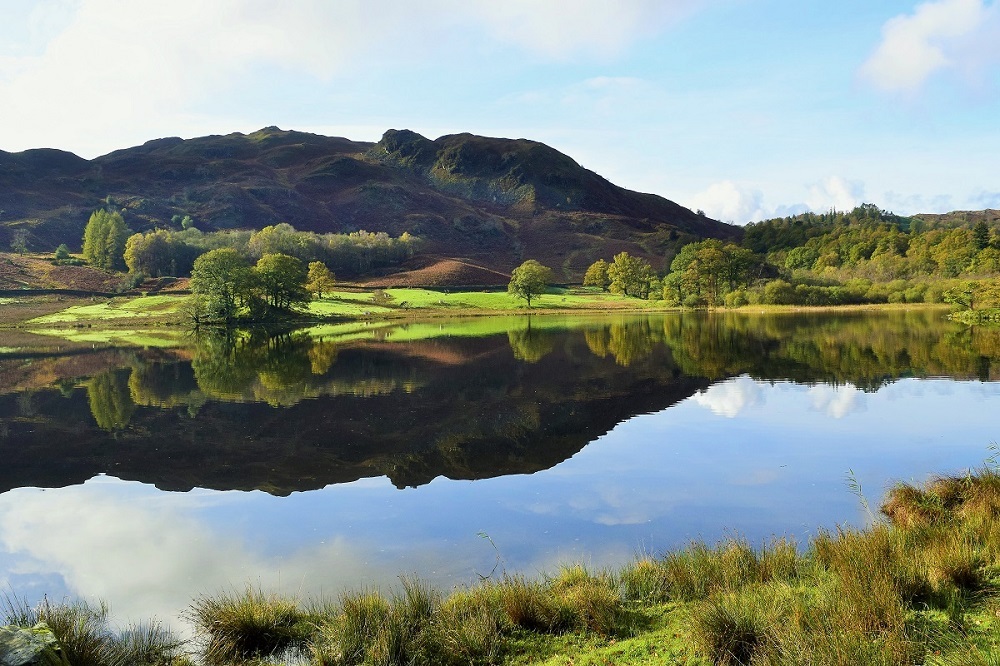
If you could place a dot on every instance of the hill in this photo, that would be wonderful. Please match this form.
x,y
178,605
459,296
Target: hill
x,y
487,201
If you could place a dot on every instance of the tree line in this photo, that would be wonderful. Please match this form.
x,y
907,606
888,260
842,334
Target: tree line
x,y
866,255
109,244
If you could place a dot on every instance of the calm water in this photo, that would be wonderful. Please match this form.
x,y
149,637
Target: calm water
x,y
315,461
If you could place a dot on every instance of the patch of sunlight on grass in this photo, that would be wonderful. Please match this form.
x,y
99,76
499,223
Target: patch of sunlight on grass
x,y
116,308
125,337
352,307
410,298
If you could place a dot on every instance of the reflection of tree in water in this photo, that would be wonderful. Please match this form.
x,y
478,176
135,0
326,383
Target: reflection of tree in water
x,y
864,348
632,342
162,384
530,344
286,368
322,354
627,341
111,400
276,369
597,340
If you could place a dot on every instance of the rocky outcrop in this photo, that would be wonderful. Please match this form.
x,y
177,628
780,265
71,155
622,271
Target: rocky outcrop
x,y
36,646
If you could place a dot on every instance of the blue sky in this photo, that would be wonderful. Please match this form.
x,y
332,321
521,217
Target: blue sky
x,y
744,108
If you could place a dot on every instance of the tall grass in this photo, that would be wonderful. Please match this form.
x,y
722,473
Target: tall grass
x,y
919,587
87,638
237,627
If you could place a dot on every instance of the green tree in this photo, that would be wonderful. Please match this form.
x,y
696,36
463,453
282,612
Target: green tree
x,y
104,240
629,275
529,280
281,279
62,252
319,279
223,282
981,235
158,253
597,275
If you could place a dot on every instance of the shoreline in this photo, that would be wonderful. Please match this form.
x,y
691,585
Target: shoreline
x,y
922,582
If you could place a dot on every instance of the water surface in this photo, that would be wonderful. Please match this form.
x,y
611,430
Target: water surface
x,y
314,461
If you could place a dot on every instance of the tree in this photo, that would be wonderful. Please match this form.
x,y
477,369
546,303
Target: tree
x,y
319,279
223,281
529,279
62,252
629,275
104,240
597,275
981,235
281,279
19,241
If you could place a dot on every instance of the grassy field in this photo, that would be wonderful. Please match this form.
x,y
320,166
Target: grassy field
x,y
919,586
163,309
137,319
401,301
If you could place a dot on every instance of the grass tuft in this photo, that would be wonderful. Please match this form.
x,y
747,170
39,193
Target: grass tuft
x,y
88,639
238,627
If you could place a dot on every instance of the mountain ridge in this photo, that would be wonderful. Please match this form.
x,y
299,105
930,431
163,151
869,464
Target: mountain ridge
x,y
491,200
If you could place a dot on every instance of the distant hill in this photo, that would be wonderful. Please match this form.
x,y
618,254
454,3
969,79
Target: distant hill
x,y
485,201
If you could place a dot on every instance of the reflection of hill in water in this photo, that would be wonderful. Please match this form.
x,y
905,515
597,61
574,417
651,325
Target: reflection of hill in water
x,y
291,413
378,410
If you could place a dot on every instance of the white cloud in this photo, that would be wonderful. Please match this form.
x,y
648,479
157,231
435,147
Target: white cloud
x,y
732,397
837,193
729,202
103,68
937,36
561,28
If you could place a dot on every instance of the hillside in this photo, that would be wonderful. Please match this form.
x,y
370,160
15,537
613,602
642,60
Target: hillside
x,y
491,202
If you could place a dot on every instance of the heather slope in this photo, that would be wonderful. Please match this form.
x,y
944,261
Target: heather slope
x,y
491,201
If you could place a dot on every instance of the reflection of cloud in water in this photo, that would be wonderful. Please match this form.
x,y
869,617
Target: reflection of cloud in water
x,y
731,397
837,401
608,504
152,558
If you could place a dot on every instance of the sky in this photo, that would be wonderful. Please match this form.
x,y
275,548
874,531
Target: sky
x,y
746,109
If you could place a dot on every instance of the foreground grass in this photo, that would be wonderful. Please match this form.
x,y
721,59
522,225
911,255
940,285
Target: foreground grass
x,y
918,588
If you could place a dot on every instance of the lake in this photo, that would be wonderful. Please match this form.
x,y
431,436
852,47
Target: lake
x,y
342,457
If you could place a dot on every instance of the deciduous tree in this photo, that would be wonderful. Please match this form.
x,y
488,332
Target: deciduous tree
x,y
597,275
281,280
320,279
104,240
629,275
529,280
223,281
